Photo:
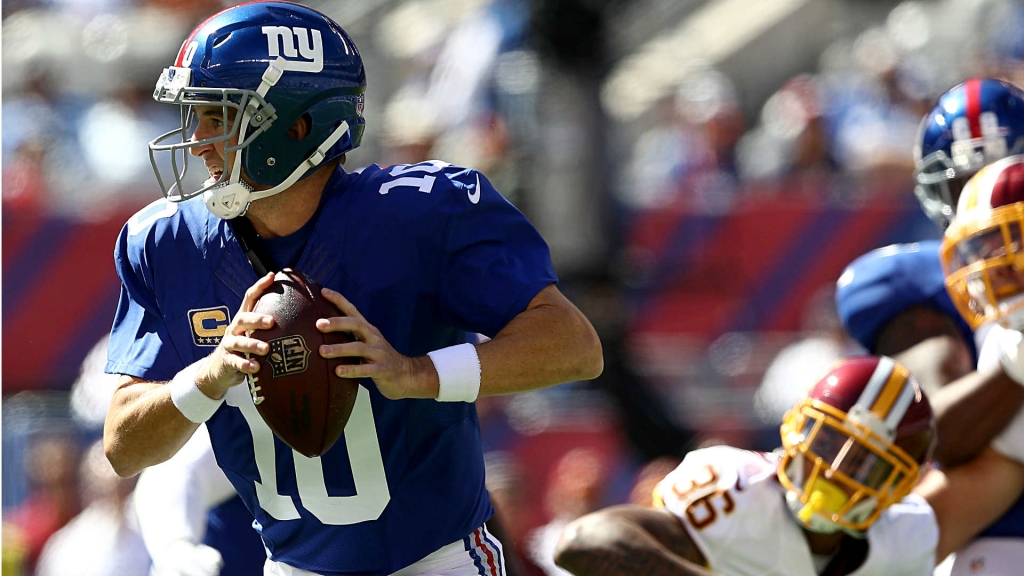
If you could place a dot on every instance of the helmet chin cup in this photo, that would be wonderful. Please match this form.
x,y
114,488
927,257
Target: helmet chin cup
x,y
229,200
806,516
828,498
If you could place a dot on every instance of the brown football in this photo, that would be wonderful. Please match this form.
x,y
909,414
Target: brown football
x,y
296,390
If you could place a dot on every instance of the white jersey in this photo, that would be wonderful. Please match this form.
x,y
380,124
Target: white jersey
x,y
734,508
1009,442
173,497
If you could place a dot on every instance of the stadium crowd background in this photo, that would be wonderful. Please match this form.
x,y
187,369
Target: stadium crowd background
x,y
702,170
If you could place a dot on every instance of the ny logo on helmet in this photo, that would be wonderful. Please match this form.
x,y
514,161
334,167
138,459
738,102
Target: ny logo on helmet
x,y
993,138
295,43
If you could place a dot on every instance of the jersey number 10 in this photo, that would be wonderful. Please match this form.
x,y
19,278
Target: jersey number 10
x,y
372,494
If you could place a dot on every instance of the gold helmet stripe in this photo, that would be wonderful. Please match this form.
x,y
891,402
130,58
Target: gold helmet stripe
x,y
890,392
877,382
971,195
906,397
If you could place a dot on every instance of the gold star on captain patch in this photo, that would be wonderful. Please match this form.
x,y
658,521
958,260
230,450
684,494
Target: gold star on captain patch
x,y
208,324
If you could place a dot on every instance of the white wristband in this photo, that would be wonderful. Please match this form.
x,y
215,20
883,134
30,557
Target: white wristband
x,y
189,399
458,373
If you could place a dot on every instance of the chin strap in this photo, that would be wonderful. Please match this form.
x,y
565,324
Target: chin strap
x,y
308,164
232,199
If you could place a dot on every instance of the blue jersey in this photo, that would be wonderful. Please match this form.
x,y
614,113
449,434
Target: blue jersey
x,y
878,286
426,253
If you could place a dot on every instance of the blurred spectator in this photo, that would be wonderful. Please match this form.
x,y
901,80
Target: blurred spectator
x,y
24,180
32,114
53,499
411,126
707,101
874,118
792,142
104,539
14,551
642,493
191,11
574,489
690,155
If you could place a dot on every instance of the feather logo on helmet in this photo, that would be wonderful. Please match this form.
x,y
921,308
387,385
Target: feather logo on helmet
x,y
294,43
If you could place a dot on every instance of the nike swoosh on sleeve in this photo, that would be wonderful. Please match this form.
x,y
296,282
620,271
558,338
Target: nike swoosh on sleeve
x,y
474,195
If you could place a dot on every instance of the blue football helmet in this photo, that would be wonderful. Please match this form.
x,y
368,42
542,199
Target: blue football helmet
x,y
972,125
266,64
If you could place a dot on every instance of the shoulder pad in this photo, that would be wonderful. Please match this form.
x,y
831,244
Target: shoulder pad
x,y
710,470
904,539
178,235
431,178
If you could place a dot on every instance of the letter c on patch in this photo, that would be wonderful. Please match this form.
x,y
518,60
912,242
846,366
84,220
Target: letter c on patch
x,y
208,325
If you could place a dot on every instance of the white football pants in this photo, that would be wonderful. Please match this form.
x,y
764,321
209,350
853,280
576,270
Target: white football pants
x,y
478,554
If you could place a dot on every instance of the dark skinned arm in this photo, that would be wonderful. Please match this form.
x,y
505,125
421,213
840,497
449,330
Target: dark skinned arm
x,y
629,540
961,519
971,408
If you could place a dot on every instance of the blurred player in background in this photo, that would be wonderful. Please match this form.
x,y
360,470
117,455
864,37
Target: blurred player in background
x,y
835,499
104,539
893,300
271,95
191,518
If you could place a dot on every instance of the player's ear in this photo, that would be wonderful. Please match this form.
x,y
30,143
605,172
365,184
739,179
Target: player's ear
x,y
300,129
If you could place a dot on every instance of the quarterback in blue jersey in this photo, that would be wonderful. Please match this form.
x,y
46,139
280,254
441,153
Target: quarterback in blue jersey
x,y
414,256
894,300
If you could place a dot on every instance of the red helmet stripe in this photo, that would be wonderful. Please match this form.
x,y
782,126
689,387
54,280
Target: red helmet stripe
x,y
972,95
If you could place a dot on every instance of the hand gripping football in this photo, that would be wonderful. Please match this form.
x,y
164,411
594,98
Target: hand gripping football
x,y
296,390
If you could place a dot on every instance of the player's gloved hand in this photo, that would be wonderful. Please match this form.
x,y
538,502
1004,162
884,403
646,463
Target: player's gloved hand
x,y
183,558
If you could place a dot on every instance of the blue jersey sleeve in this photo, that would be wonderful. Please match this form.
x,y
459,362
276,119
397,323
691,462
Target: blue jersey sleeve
x,y
495,261
881,284
140,344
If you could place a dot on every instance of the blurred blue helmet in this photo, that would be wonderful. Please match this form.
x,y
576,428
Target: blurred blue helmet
x,y
266,64
973,124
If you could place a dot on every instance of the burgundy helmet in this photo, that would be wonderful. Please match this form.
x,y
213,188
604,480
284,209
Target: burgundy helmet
x,y
855,444
982,253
